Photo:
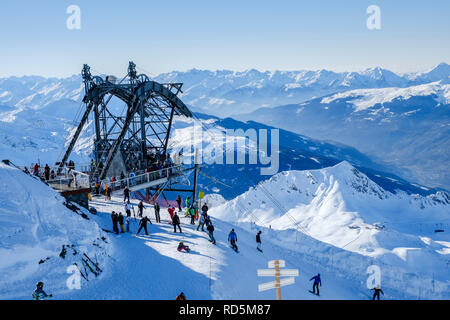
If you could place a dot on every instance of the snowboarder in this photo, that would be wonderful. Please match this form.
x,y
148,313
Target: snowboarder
x,y
201,222
114,219
182,247
258,241
157,208
176,222
39,293
171,212
376,293
317,281
210,229
126,194
120,219
232,238
179,202
143,224
141,209
128,209
181,296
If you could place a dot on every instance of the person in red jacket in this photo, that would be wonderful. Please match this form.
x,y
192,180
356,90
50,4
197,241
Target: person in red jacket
x,y
171,212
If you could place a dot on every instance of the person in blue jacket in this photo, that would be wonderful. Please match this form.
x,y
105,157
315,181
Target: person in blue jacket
x,y
232,238
317,281
39,293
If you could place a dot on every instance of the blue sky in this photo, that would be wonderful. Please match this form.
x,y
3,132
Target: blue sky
x,y
161,36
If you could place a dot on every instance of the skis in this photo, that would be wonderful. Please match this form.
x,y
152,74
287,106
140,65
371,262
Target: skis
x,y
237,251
259,250
314,293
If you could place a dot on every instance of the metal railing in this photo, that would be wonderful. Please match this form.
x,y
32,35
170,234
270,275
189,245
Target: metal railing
x,y
139,179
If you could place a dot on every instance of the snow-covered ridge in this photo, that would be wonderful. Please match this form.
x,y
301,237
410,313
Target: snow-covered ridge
x,y
35,225
342,208
365,98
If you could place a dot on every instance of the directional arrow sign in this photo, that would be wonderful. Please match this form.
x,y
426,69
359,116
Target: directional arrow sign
x,y
273,284
281,263
273,273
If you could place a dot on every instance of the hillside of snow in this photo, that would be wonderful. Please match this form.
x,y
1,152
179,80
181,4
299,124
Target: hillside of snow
x,y
36,229
358,220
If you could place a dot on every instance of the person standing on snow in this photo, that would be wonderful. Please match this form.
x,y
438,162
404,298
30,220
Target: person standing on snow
x,y
128,209
171,212
114,219
317,281
188,205
192,213
176,222
47,172
179,202
376,293
210,229
258,241
120,219
181,296
126,194
202,221
39,293
157,208
232,238
127,220
141,208
143,224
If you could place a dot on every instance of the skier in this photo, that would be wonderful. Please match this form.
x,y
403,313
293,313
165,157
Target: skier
x,y
114,218
128,209
171,212
126,194
181,247
141,209
120,219
232,238
258,241
36,169
176,222
195,206
39,293
179,202
181,296
210,229
201,222
157,208
143,224
376,293
317,281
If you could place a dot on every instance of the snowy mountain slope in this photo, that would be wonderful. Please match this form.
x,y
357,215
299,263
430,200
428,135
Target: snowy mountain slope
x,y
150,267
35,224
296,152
341,207
405,127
